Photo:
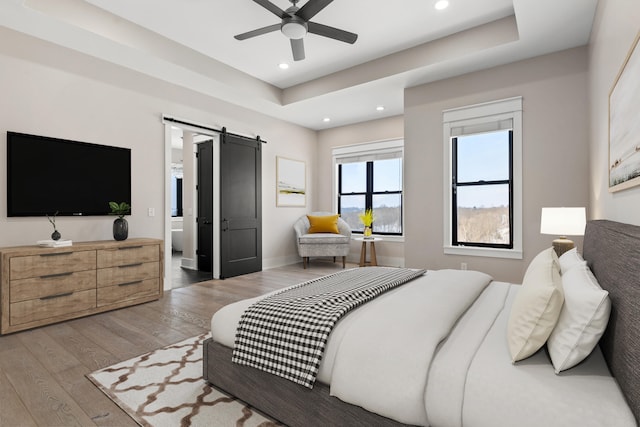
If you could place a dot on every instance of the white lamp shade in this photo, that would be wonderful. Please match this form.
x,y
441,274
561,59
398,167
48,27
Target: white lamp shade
x,y
563,221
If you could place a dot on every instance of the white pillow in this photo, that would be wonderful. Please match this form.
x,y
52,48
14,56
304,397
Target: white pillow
x,y
570,259
536,308
582,321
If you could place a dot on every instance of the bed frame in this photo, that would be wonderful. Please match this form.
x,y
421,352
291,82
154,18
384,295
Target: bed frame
x,y
612,251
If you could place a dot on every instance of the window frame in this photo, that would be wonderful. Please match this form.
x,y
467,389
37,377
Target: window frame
x,y
455,183
479,116
367,153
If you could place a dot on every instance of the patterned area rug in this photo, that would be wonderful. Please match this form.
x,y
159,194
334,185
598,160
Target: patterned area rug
x,y
165,388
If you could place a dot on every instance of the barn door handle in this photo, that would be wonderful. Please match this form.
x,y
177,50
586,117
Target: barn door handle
x,y
225,225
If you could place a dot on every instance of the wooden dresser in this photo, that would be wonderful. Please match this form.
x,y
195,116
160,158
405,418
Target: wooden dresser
x,y
39,286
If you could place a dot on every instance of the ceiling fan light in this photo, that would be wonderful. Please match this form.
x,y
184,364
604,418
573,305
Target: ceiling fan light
x,y
294,30
442,4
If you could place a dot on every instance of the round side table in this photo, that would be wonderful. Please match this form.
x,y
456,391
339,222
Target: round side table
x,y
363,251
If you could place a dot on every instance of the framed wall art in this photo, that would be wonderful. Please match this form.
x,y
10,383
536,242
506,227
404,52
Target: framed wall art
x,y
624,124
291,189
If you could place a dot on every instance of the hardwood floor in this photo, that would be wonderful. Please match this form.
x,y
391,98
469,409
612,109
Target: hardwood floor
x,y
42,371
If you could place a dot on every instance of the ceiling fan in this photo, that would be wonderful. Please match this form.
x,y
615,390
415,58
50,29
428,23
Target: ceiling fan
x,y
296,24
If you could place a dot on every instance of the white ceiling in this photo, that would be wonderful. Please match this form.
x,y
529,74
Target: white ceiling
x,y
400,44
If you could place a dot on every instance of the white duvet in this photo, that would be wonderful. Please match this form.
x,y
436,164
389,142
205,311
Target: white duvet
x,y
433,352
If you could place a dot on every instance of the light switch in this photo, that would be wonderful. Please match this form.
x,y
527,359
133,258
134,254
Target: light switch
x,y
152,212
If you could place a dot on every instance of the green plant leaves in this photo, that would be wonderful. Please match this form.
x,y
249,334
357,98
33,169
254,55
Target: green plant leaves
x,y
121,209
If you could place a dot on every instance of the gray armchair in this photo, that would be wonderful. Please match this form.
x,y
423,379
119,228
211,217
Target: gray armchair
x,y
321,244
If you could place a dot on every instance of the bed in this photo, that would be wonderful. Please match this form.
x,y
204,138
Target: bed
x,y
470,378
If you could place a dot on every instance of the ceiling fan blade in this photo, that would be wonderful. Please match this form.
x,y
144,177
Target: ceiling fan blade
x,y
297,48
258,32
311,8
332,33
272,8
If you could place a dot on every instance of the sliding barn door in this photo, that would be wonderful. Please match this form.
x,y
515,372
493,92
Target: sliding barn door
x,y
240,206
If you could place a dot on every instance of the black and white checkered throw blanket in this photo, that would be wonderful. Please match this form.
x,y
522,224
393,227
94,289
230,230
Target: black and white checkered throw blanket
x,y
285,334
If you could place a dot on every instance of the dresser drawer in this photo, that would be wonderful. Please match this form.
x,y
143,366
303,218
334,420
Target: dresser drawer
x,y
127,255
51,284
22,267
128,273
48,308
128,291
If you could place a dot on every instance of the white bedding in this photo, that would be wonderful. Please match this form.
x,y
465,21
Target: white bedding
x,y
471,380
473,366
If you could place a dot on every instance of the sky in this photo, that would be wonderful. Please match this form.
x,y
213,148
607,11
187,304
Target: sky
x,y
483,157
387,176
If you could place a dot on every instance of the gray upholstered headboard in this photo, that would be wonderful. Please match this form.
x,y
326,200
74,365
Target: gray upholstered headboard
x,y
612,250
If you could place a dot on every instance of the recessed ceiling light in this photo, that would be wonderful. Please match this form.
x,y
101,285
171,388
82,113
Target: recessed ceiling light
x,y
380,108
326,119
283,65
442,4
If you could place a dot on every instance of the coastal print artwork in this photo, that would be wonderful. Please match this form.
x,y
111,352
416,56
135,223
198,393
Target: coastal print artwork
x,y
292,182
624,124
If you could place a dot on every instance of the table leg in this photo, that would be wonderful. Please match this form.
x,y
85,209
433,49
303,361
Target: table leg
x,y
363,254
374,261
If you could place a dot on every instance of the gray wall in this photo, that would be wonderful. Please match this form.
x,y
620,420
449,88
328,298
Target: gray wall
x,y
555,152
616,26
52,91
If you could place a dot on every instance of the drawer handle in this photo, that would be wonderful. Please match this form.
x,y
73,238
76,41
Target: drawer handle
x,y
49,276
130,283
57,254
65,294
137,264
129,247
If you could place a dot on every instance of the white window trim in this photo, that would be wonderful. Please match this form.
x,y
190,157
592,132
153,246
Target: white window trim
x,y
473,115
372,148
385,146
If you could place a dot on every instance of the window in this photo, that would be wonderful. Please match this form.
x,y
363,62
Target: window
x,y
483,194
369,176
482,190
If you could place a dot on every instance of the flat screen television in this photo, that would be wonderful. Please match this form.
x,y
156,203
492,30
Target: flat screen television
x,y
48,175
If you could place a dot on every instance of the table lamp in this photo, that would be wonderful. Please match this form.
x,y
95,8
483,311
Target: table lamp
x,y
563,222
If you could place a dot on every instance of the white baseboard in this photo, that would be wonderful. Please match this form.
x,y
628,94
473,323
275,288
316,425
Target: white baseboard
x,y
294,259
268,263
389,261
382,261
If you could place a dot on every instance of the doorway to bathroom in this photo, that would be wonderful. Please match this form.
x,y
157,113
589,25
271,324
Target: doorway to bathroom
x,y
181,246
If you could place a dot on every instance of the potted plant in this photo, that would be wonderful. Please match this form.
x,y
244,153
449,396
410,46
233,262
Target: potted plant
x,y
367,219
120,225
56,234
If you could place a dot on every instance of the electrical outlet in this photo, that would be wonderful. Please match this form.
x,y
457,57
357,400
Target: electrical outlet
x,y
463,266
151,212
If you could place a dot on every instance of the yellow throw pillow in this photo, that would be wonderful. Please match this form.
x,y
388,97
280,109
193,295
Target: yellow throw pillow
x,y
323,224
